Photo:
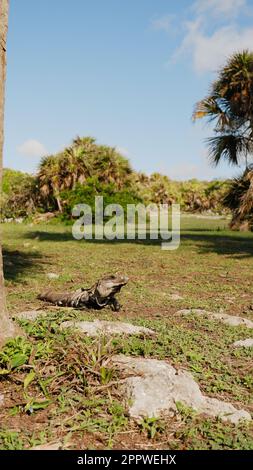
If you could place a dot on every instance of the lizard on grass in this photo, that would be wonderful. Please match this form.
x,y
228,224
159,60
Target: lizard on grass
x,y
101,294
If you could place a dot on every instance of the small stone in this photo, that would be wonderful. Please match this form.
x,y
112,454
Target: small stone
x,y
195,311
243,343
231,320
176,297
1,400
53,276
26,244
48,446
101,327
29,315
8,263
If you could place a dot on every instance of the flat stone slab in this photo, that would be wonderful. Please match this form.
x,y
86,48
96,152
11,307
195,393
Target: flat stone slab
x,y
154,387
243,343
101,327
48,446
30,315
176,297
53,276
223,317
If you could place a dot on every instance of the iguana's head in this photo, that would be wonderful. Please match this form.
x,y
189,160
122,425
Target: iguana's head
x,y
110,285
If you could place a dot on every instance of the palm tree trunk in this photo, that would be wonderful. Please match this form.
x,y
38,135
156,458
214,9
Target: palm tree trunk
x,y
7,327
58,200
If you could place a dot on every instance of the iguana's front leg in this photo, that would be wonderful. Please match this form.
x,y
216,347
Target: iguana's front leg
x,y
115,305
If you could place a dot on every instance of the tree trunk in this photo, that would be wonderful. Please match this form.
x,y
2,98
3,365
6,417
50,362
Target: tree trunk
x,y
58,200
7,328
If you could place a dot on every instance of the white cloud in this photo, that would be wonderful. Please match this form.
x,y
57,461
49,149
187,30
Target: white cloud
x,y
164,23
210,51
32,148
228,8
210,43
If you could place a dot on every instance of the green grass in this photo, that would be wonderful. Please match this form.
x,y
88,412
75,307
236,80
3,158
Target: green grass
x,y
56,383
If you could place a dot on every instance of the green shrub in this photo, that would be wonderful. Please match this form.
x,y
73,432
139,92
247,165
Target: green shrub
x,y
85,194
19,194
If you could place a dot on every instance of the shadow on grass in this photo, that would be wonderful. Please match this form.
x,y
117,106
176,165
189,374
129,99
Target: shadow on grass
x,y
17,263
235,246
221,242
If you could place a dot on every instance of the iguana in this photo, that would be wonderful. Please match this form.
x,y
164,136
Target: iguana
x,y
101,294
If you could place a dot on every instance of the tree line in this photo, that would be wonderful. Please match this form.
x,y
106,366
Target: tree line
x,y
86,169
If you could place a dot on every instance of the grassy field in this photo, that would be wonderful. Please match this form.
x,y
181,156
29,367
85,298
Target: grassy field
x,y
55,382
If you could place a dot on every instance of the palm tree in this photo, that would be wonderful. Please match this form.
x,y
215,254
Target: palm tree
x,y
82,160
49,181
239,199
7,327
230,107
111,167
63,171
77,161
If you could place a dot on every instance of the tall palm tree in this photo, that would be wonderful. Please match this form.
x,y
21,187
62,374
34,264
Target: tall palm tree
x,y
63,171
75,164
78,161
7,327
49,180
230,107
111,167
239,199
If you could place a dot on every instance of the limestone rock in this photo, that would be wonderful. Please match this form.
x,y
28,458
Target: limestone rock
x,y
154,387
223,317
243,343
30,315
53,276
101,327
176,297
48,446
1,400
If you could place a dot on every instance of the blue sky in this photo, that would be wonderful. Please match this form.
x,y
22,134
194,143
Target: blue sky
x,y
127,72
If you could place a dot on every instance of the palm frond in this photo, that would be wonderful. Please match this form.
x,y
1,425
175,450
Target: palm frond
x,y
230,147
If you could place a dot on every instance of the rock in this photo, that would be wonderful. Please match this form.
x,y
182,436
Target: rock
x,y
26,244
176,297
48,446
43,217
30,315
1,400
195,311
223,317
52,276
154,387
101,327
243,343
8,263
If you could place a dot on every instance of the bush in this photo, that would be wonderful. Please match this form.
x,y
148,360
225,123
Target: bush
x,y
85,194
19,194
